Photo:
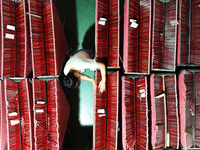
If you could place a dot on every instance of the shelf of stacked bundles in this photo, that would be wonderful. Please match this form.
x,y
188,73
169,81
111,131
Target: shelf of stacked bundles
x,y
48,41
188,33
189,102
105,126
164,35
137,36
51,112
135,124
107,32
18,114
164,111
15,54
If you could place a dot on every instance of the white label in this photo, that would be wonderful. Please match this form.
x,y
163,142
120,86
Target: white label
x,y
161,95
38,16
102,111
102,23
142,92
199,5
133,24
174,23
102,115
14,122
40,102
12,114
10,27
103,19
10,36
40,111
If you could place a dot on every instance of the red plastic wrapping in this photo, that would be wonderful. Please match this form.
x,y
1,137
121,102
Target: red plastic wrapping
x,y
51,112
135,114
189,87
15,51
19,114
137,39
105,128
3,121
48,42
164,111
107,32
164,35
188,42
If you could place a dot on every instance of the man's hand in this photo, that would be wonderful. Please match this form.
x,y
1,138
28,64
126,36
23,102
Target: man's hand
x,y
102,86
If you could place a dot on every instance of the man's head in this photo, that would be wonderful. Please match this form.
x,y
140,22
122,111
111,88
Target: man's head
x,y
72,80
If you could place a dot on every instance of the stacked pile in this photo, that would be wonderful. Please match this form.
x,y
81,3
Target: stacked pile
x,y
33,111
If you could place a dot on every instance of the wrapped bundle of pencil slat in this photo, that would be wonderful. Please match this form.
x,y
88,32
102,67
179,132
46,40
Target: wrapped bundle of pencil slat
x,y
164,111
114,33
48,42
135,113
189,101
105,128
164,35
107,28
3,121
188,40
19,115
15,50
51,112
137,36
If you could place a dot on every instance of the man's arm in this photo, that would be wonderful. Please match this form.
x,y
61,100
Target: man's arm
x,y
85,77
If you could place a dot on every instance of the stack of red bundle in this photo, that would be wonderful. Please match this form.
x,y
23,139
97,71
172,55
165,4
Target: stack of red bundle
x,y
105,127
19,114
22,120
15,52
107,32
189,95
188,42
137,36
164,111
135,134
164,35
51,111
48,42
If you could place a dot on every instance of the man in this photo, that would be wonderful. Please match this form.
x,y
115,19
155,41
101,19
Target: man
x,y
80,61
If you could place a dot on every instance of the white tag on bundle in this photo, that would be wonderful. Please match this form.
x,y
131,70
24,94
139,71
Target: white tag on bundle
x,y
102,21
199,5
12,114
10,36
142,92
10,27
133,24
40,111
14,122
102,111
161,95
174,23
102,115
40,102
35,15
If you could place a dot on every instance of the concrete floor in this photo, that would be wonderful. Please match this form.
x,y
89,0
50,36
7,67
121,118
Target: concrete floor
x,y
78,18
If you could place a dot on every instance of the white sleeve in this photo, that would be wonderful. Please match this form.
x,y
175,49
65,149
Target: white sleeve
x,y
66,69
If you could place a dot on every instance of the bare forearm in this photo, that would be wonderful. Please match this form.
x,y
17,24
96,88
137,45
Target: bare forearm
x,y
102,68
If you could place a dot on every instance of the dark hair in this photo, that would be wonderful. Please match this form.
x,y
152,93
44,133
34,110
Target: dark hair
x,y
71,81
